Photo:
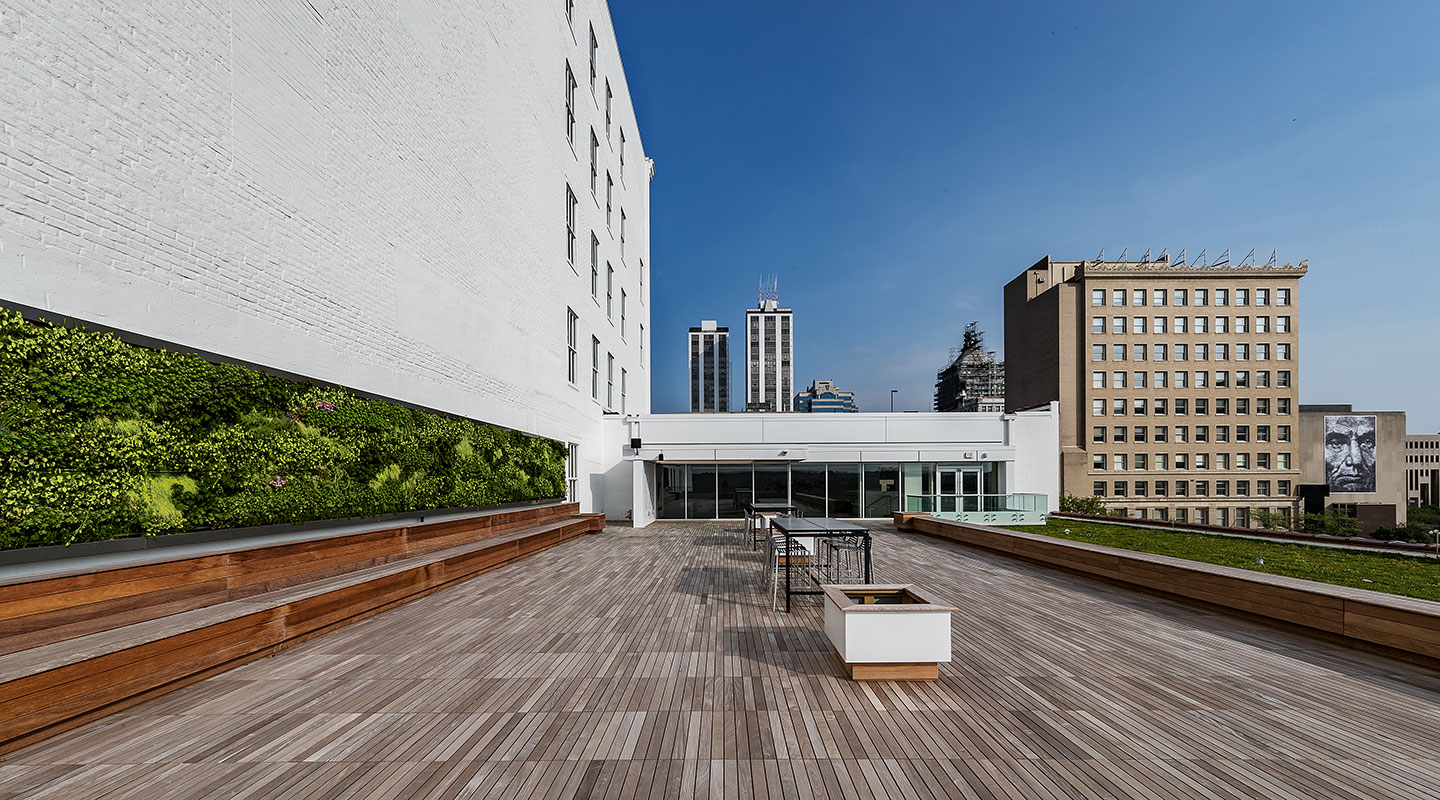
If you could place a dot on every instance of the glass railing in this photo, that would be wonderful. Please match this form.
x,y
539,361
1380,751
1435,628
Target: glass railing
x,y
1018,508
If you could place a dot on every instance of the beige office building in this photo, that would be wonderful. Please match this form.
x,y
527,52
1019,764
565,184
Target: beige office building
x,y
1178,383
1422,470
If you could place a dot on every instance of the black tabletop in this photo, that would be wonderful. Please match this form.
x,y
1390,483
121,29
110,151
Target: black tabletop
x,y
804,525
768,508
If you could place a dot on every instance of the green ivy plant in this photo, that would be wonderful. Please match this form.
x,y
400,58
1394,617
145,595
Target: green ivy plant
x,y
100,439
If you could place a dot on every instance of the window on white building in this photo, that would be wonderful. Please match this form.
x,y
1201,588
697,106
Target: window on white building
x,y
594,368
570,205
594,59
609,380
594,164
572,340
572,472
594,267
570,87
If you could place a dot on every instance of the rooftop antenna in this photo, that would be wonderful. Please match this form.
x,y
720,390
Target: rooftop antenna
x,y
1204,262
1145,259
1100,259
1124,253
769,289
1180,259
1224,259
1250,258
1274,257
1164,255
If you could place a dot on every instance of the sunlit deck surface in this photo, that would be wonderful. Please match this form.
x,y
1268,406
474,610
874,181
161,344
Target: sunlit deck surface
x,y
646,663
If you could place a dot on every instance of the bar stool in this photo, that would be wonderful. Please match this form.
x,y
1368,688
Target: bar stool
x,y
847,560
783,551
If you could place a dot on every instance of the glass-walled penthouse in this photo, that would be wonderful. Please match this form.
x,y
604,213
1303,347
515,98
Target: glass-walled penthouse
x,y
843,490
850,466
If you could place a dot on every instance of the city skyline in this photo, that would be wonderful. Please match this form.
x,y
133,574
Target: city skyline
x,y
915,178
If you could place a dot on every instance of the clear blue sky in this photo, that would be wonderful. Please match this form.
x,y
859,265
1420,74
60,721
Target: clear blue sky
x,y
896,163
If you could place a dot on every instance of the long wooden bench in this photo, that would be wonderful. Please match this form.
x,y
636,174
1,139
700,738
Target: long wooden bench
x,y
1405,625
63,604
221,610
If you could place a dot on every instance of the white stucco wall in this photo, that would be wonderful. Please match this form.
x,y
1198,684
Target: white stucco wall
x,y
365,193
1035,436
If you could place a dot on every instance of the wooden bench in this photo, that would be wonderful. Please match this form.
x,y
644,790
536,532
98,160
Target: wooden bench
x,y
904,519
135,632
1404,625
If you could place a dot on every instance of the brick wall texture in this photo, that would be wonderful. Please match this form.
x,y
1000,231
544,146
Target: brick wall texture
x,y
367,193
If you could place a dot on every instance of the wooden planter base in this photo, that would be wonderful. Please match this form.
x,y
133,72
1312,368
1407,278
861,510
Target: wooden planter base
x,y
894,672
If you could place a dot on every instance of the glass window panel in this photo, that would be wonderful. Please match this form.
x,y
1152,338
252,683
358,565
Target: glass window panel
x,y
844,479
916,481
700,497
772,483
733,484
882,490
670,491
807,489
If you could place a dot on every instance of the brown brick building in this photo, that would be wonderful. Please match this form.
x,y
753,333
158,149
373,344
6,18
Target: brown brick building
x,y
1178,384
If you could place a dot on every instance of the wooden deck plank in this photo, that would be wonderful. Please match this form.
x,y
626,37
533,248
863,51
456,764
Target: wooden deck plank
x,y
648,664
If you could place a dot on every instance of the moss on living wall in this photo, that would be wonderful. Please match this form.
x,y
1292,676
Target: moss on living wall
x,y
100,439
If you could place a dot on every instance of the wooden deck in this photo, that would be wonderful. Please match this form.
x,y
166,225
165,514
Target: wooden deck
x,y
648,664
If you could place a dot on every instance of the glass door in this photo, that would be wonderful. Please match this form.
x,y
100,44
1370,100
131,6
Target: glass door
x,y
948,479
970,489
959,488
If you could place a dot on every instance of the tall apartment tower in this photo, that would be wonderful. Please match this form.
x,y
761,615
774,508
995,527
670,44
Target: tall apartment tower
x,y
769,369
1178,383
709,367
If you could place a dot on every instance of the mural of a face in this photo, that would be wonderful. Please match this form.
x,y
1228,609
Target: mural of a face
x,y
1350,453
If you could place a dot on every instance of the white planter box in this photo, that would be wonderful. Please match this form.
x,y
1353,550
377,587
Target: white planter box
x,y
887,632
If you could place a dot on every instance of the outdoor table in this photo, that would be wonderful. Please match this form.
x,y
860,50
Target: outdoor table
x,y
816,528
753,512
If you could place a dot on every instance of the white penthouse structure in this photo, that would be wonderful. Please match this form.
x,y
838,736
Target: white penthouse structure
x,y
447,206
998,468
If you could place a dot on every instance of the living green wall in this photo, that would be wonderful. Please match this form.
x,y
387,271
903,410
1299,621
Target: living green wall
x,y
100,439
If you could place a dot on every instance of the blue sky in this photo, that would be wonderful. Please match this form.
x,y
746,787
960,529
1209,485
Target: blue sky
x,y
895,164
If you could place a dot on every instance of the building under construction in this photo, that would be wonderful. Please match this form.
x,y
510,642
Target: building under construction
x,y
973,380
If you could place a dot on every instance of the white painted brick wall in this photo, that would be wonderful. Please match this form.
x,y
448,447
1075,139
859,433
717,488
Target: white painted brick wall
x,y
368,193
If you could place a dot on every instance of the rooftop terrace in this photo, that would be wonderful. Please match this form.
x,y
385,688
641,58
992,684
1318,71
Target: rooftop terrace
x,y
647,663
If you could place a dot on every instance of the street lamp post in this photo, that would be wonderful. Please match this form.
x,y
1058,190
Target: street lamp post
x,y
892,400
